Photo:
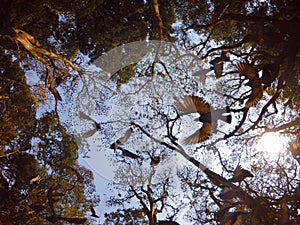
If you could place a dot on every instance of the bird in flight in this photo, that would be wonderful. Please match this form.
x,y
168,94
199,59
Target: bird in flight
x,y
251,73
240,174
122,140
95,124
217,64
93,212
208,117
127,153
155,160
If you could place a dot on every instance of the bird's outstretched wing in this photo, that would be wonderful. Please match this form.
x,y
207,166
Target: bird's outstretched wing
x,y
122,140
247,70
126,136
89,133
237,170
239,174
82,115
93,212
255,96
200,135
254,82
193,104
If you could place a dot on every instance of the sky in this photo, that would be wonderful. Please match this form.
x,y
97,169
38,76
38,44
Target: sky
x,y
97,96
129,103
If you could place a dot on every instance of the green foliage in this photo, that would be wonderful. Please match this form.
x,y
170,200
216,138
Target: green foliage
x,y
55,145
167,13
19,118
29,147
292,90
194,11
24,167
126,216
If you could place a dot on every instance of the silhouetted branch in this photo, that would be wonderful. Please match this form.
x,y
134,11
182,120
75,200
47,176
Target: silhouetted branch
x,y
295,122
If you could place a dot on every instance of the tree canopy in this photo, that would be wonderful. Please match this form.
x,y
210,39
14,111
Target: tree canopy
x,y
181,104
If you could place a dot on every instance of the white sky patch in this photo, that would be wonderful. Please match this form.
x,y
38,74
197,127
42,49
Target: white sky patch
x,y
272,142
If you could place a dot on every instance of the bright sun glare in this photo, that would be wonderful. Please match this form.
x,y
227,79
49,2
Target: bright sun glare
x,y
271,142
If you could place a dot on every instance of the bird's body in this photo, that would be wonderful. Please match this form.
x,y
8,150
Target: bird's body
x,y
240,174
127,153
208,117
155,161
53,218
205,118
229,194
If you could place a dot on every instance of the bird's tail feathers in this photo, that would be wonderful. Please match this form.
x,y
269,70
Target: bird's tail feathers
x,y
228,119
228,109
222,114
89,133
